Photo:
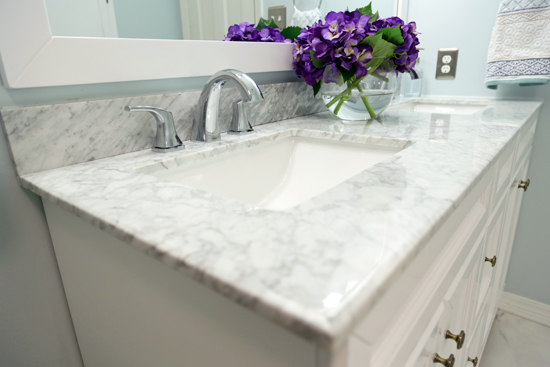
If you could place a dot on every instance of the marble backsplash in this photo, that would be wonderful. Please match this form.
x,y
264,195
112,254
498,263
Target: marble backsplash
x,y
53,136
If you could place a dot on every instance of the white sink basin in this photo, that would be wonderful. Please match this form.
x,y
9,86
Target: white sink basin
x,y
442,108
280,174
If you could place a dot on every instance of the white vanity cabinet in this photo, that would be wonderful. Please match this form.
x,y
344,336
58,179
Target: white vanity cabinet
x,y
129,309
455,284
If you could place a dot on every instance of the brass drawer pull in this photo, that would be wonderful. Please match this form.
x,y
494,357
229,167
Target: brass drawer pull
x,y
493,261
524,184
459,339
449,362
474,361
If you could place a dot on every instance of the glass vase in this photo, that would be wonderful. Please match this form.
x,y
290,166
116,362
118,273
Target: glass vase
x,y
359,99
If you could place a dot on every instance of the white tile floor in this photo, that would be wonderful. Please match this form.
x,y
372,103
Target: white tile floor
x,y
516,342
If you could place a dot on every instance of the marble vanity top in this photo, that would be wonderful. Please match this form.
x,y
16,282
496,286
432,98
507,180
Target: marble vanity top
x,y
314,269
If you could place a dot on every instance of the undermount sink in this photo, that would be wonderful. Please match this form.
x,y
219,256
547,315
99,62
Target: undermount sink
x,y
442,108
279,174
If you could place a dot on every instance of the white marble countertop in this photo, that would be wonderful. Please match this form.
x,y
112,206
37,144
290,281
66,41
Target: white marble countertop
x,y
314,269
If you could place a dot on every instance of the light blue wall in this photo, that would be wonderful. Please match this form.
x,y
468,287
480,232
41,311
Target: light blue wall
x,y
134,18
35,322
148,19
85,19
467,24
34,318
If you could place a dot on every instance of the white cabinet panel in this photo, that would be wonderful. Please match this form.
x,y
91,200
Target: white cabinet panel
x,y
129,310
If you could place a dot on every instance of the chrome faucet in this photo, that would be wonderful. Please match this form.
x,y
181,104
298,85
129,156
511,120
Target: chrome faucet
x,y
205,124
414,74
167,139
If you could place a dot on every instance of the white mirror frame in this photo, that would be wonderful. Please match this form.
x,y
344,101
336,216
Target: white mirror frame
x,y
32,57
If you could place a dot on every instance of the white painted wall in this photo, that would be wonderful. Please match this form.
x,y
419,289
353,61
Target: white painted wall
x,y
468,24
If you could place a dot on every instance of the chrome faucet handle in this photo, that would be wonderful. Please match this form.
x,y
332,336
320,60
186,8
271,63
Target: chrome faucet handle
x,y
240,123
166,140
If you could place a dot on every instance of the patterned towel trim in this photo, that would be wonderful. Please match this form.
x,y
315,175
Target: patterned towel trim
x,y
521,10
520,67
510,6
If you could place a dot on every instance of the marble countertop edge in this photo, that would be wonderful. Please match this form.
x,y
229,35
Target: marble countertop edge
x,y
327,329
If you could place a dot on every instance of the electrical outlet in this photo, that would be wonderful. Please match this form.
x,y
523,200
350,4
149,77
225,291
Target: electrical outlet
x,y
278,14
446,64
440,126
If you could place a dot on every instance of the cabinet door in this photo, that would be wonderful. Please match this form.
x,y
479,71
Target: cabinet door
x,y
475,344
453,316
430,342
490,260
510,224
461,302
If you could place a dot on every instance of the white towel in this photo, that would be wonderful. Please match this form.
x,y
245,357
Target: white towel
x,y
519,52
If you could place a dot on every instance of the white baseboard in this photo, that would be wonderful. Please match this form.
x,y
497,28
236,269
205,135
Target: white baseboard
x,y
526,308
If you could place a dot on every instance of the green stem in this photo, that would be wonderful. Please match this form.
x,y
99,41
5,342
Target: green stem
x,y
384,79
334,100
366,103
369,107
339,105
354,84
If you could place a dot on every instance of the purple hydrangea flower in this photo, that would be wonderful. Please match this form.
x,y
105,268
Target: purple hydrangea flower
x,y
270,34
245,32
365,55
336,43
407,52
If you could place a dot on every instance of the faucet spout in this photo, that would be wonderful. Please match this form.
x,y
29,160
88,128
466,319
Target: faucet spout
x,y
205,125
414,74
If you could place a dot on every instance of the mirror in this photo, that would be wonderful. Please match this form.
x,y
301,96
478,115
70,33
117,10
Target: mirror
x,y
184,19
33,57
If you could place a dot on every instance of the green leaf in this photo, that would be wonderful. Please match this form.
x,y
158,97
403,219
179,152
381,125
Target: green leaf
x,y
366,10
291,32
317,63
392,35
381,50
373,64
262,23
347,75
380,47
316,87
